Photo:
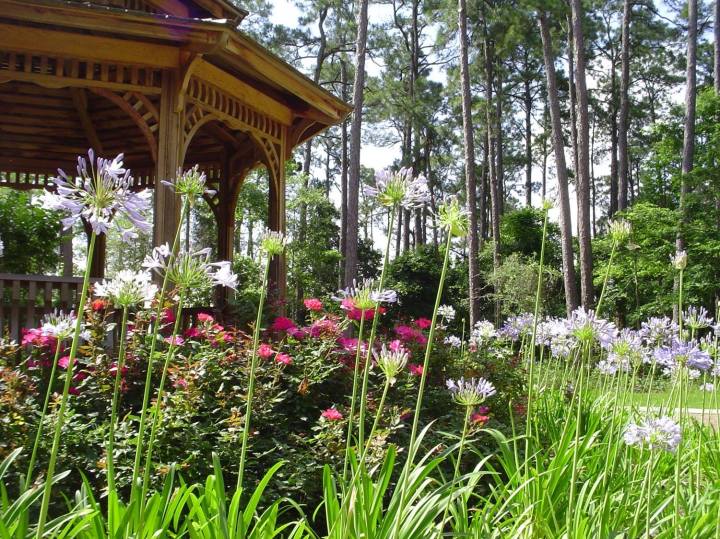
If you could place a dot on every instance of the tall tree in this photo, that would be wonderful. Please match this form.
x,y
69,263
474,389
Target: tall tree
x,y
623,156
553,101
583,170
470,173
351,247
716,46
689,129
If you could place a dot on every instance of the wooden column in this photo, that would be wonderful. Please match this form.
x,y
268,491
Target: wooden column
x,y
170,158
276,221
225,217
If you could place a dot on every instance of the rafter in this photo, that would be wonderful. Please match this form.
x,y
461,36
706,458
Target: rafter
x,y
79,98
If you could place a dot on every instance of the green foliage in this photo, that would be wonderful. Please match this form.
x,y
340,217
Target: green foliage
x,y
30,234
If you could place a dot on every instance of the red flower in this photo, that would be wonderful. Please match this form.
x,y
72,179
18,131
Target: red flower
x,y
204,317
479,419
193,333
423,323
73,390
297,333
285,359
323,327
313,304
282,324
332,414
63,362
415,370
99,305
168,316
265,351
180,383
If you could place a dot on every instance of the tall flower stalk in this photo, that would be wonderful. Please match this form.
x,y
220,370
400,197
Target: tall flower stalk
x,y
454,220
272,244
101,190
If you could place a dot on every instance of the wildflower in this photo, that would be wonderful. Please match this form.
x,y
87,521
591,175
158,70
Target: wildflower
x,y
697,318
273,242
391,362
453,218
619,231
265,351
283,359
423,323
332,414
128,289
190,184
415,370
453,341
662,433
399,188
679,260
101,191
313,304
472,392
446,312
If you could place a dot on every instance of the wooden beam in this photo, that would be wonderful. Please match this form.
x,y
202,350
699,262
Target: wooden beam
x,y
81,46
54,82
79,98
244,92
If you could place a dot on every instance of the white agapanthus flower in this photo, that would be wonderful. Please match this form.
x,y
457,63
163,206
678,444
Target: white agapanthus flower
x,y
191,271
128,289
453,341
483,331
447,312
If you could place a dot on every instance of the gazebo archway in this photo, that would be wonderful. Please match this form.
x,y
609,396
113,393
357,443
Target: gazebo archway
x,y
170,84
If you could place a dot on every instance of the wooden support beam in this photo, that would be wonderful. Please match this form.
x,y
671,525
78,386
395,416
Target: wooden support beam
x,y
276,221
80,102
170,144
86,47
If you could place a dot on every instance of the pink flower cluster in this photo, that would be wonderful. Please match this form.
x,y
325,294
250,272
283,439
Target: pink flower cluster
x,y
411,335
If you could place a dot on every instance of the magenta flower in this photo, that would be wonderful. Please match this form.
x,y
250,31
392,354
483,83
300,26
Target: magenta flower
x,y
283,359
332,414
323,327
265,351
177,340
63,362
415,370
423,323
204,317
282,323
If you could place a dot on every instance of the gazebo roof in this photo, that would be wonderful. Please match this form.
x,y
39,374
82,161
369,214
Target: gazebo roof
x,y
199,37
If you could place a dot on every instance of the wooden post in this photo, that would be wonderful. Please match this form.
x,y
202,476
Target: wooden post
x,y
170,144
225,216
66,251
276,221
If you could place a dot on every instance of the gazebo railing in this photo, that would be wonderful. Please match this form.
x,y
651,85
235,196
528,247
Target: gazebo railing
x,y
24,299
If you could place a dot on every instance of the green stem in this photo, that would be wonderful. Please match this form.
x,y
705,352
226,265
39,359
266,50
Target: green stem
x,y
251,375
110,449
456,471
576,443
157,411
38,434
151,357
47,492
402,482
373,331
353,398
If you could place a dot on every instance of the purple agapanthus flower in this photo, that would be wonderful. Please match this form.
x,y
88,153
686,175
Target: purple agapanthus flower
x,y
585,325
517,326
659,331
627,348
654,433
101,191
399,188
683,354
470,392
697,318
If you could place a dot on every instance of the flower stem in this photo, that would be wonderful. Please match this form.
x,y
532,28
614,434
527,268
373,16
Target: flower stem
x,y
157,411
251,375
110,448
468,409
38,434
353,398
402,481
47,492
151,357
373,331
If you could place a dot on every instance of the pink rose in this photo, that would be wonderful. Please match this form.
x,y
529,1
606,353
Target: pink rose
x,y
313,304
332,414
264,351
285,359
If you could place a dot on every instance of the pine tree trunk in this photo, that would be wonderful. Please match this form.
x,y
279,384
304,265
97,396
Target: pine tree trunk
x,y
569,279
583,172
528,135
613,141
470,174
499,138
689,131
623,125
343,173
573,97
716,45
351,258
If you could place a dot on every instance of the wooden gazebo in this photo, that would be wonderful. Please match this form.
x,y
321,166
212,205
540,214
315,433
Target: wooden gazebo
x,y
170,83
